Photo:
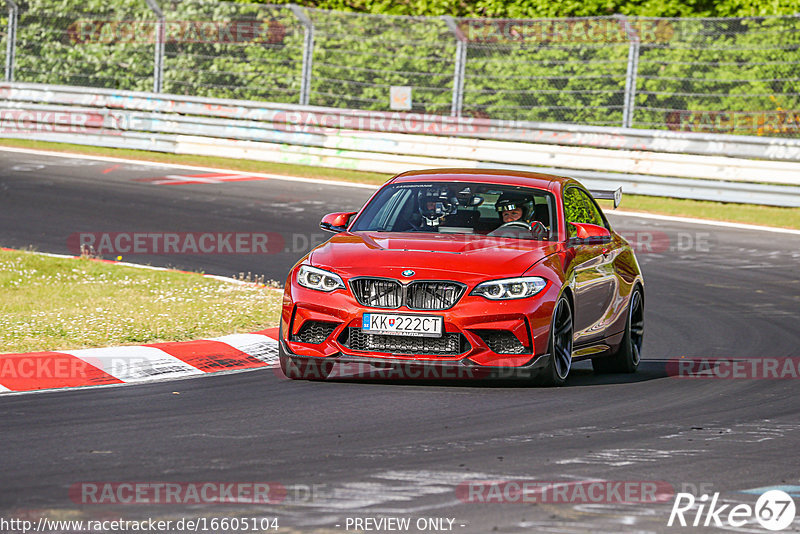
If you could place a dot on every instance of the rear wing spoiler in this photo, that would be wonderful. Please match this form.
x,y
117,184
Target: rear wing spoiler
x,y
615,195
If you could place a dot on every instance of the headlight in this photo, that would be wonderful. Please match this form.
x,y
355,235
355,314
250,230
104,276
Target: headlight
x,y
314,278
510,288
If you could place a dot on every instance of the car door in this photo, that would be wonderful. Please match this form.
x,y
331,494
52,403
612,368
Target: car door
x,y
595,279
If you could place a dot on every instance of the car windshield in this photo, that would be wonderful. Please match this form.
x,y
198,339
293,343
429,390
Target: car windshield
x,y
461,208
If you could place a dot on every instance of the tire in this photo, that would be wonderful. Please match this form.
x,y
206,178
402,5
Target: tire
x,y
560,346
626,358
302,368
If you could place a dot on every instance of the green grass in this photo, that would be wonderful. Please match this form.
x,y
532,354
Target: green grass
x,y
720,211
51,303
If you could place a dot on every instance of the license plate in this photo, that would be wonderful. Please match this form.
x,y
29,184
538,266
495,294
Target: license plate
x,y
402,325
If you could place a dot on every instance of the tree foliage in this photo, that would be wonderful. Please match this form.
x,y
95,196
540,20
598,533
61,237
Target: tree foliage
x,y
562,8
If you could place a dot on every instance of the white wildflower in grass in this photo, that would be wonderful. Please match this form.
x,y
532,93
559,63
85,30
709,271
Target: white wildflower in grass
x,y
53,303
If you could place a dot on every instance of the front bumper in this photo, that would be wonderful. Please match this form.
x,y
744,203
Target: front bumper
x,y
356,366
525,321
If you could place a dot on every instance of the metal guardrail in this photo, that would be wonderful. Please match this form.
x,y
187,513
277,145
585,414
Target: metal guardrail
x,y
680,165
305,118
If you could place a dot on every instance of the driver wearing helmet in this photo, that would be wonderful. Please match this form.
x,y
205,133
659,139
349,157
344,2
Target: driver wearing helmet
x,y
435,204
515,208
517,211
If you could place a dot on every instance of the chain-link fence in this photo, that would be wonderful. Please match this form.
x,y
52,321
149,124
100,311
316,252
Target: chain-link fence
x,y
722,75
8,23
358,58
4,43
247,51
547,70
90,43
712,75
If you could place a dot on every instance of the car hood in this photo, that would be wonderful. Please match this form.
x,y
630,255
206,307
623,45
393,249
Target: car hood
x,y
439,256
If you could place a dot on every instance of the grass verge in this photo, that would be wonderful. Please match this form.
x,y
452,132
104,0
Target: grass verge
x,y
51,303
718,211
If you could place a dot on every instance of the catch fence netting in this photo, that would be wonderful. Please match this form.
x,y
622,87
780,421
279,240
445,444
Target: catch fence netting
x,y
732,75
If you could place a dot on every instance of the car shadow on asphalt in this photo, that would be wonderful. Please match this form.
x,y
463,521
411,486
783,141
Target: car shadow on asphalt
x,y
581,375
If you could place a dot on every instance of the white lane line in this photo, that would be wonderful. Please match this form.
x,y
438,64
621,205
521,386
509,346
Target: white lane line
x,y
793,491
3,388
690,220
623,457
172,178
256,345
180,179
672,218
135,364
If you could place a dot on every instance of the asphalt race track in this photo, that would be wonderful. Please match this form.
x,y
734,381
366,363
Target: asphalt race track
x,y
363,449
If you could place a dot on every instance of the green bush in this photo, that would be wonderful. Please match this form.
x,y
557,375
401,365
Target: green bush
x,y
85,43
248,51
531,9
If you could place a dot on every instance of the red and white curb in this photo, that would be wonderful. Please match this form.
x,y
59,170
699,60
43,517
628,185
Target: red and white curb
x,y
35,371
133,364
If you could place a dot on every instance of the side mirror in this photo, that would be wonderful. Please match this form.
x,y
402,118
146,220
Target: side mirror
x,y
591,233
336,222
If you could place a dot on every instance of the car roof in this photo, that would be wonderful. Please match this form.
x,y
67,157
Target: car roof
x,y
489,176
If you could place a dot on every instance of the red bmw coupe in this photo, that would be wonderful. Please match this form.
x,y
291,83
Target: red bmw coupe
x,y
486,272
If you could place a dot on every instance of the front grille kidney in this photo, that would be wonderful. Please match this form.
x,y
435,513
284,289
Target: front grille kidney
x,y
421,295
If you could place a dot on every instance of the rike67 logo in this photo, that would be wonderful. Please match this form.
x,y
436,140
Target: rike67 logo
x,y
774,510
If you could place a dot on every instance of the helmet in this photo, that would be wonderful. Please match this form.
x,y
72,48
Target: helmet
x,y
510,200
435,203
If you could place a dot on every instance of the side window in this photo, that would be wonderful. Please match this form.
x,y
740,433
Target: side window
x,y
573,209
592,211
580,208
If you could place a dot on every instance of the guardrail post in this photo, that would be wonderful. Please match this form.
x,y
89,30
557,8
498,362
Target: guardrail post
x,y
630,75
11,39
308,52
460,66
160,37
